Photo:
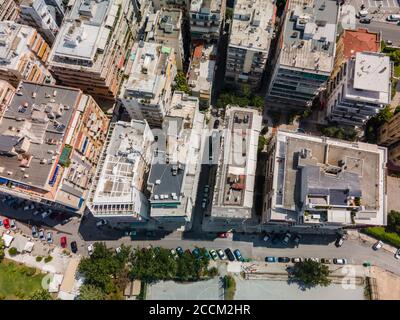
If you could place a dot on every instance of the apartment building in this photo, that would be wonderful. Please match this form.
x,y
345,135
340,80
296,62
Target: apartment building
x,y
175,170
42,15
201,72
51,138
118,189
360,89
305,53
23,54
206,19
179,4
320,181
146,94
389,136
249,41
9,10
90,50
165,27
233,195
6,93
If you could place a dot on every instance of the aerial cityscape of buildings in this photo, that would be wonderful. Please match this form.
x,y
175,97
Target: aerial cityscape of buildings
x,y
245,117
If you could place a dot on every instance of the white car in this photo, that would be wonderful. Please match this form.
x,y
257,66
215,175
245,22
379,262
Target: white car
x,y
339,261
102,222
90,249
12,224
221,254
377,245
118,250
46,214
397,254
29,207
295,260
204,203
266,238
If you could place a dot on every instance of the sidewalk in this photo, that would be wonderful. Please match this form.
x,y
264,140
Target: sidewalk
x,y
355,234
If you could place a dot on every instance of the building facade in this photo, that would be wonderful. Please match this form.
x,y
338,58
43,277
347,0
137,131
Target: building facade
x,y
50,142
249,41
91,48
360,89
9,10
206,19
389,136
23,54
6,93
146,94
118,189
305,53
42,16
326,182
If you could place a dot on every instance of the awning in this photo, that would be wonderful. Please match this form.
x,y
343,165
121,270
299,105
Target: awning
x,y
7,239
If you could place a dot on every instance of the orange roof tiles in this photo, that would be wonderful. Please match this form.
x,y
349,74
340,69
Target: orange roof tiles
x,y
198,52
360,40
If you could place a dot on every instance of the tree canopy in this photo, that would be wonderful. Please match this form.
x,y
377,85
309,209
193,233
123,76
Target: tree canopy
x,y
41,294
1,250
90,292
375,122
311,273
181,83
243,98
393,224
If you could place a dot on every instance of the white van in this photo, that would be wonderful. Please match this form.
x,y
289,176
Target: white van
x,y
393,17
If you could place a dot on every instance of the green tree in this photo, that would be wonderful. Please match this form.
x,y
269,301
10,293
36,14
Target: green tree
x,y
90,292
375,122
311,273
41,294
397,110
228,14
393,224
181,83
230,287
1,250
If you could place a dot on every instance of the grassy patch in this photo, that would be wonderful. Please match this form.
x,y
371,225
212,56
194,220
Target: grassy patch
x,y
18,281
230,287
397,71
380,233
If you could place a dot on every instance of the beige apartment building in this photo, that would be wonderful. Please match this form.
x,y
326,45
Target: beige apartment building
x,y
9,10
6,93
389,135
91,48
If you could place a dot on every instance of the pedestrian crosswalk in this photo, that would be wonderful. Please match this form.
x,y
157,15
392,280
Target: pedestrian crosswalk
x,y
383,4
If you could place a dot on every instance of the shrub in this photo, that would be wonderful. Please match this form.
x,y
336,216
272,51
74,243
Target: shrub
x,y
380,233
48,259
230,287
13,251
39,258
28,271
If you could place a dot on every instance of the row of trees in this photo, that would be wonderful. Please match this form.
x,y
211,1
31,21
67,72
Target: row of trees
x,y
340,133
375,122
243,98
107,272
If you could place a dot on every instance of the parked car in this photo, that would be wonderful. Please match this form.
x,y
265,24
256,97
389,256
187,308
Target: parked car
x,y
397,254
326,261
74,247
49,237
312,259
65,221
229,254
12,224
287,237
6,223
339,242
173,253
296,260
204,204
216,124
45,214
118,249
29,207
270,259
34,232
214,254
35,213
100,223
339,261
179,251
221,254
238,255
41,235
393,17
377,245
196,253
206,255
366,20
223,235
266,237
296,240
90,249
283,259
63,241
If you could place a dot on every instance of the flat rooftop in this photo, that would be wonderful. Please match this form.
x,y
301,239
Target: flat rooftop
x,y
205,5
35,122
253,24
202,68
309,35
168,23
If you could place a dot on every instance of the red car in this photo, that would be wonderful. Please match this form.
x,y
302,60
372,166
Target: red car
x,y
6,223
223,235
63,241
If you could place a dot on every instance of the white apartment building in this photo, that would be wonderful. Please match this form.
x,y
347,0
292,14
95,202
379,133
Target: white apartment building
x,y
146,94
232,200
176,166
165,27
43,16
117,191
360,89
23,54
201,72
314,180
206,18
91,47
249,41
305,54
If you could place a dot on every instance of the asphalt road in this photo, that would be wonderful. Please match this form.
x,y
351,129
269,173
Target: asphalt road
x,y
390,31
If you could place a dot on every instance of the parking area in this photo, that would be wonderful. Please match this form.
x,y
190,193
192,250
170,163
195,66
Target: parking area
x,y
384,5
